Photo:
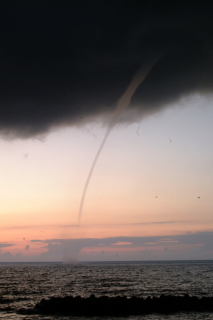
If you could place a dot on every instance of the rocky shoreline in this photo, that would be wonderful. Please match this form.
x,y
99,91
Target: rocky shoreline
x,y
120,306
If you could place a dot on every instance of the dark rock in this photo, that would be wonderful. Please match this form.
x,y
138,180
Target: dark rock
x,y
28,311
121,306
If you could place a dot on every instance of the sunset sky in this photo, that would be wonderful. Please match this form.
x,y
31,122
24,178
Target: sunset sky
x,y
150,195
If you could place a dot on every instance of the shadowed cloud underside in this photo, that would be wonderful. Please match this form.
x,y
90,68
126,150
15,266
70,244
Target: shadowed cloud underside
x,y
67,62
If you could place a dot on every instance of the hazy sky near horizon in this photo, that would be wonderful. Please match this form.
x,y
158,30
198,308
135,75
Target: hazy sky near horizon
x,y
150,196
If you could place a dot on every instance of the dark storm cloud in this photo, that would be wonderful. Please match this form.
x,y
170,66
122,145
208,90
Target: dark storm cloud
x,y
64,61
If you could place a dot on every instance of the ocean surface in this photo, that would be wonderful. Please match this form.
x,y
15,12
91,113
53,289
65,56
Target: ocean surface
x,y
25,284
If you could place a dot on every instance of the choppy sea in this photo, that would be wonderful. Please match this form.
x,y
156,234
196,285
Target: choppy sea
x,y
25,284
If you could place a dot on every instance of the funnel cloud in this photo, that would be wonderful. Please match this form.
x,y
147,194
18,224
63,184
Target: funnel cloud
x,y
122,104
67,62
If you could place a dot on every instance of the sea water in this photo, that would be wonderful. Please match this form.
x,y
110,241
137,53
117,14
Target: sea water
x,y
25,284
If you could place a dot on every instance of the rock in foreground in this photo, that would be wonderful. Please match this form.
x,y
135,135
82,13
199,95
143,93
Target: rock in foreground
x,y
121,306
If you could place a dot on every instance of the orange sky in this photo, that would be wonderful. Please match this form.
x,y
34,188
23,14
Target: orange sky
x,y
153,178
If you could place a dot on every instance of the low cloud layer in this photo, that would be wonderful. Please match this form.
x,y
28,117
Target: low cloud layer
x,y
5,245
180,247
65,62
190,246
